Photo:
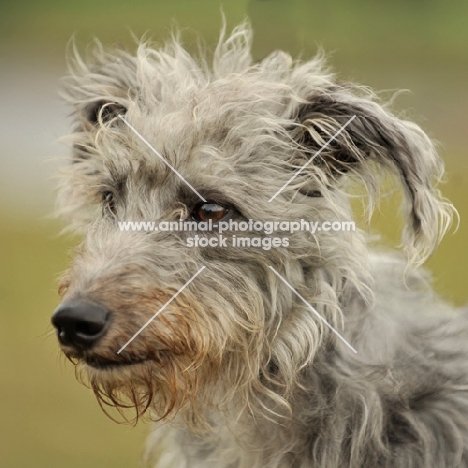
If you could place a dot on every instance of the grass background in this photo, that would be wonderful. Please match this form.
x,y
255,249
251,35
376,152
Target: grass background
x,y
48,420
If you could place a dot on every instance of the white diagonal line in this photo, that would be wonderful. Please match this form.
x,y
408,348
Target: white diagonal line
x,y
157,153
160,310
312,158
312,309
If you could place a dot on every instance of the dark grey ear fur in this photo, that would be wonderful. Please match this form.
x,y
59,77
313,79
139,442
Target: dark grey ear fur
x,y
375,135
101,112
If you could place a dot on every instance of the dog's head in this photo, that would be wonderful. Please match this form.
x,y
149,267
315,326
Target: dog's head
x,y
162,136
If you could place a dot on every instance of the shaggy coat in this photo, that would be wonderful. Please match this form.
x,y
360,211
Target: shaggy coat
x,y
237,371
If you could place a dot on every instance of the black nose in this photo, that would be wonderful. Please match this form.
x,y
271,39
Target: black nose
x,y
80,324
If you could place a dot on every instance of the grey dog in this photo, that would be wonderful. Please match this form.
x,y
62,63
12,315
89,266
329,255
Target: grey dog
x,y
319,352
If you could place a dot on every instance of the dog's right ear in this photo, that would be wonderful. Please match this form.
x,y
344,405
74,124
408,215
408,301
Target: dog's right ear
x,y
99,90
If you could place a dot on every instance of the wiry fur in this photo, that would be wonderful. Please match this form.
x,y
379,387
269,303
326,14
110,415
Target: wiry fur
x,y
237,369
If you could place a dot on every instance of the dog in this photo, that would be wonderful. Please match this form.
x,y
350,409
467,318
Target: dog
x,y
318,350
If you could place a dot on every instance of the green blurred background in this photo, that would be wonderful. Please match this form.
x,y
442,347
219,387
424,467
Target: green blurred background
x,y
47,419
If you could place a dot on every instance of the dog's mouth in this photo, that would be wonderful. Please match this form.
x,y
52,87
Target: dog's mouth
x,y
103,362
100,363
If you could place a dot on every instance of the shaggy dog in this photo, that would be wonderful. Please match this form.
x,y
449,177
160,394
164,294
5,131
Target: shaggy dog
x,y
314,352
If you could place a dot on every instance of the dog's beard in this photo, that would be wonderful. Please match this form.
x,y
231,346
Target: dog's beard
x,y
164,371
193,359
158,389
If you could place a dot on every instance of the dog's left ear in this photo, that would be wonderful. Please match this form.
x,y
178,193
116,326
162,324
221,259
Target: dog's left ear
x,y
372,134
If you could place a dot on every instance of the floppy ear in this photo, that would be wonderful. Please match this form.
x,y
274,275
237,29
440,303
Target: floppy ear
x,y
98,89
375,135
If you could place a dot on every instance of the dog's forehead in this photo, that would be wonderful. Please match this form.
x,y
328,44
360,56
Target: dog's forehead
x,y
218,106
202,130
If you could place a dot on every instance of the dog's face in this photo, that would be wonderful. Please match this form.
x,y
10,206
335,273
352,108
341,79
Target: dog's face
x,y
236,335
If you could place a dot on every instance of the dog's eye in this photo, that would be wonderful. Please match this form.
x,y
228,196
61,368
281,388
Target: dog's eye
x,y
209,211
311,193
108,203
